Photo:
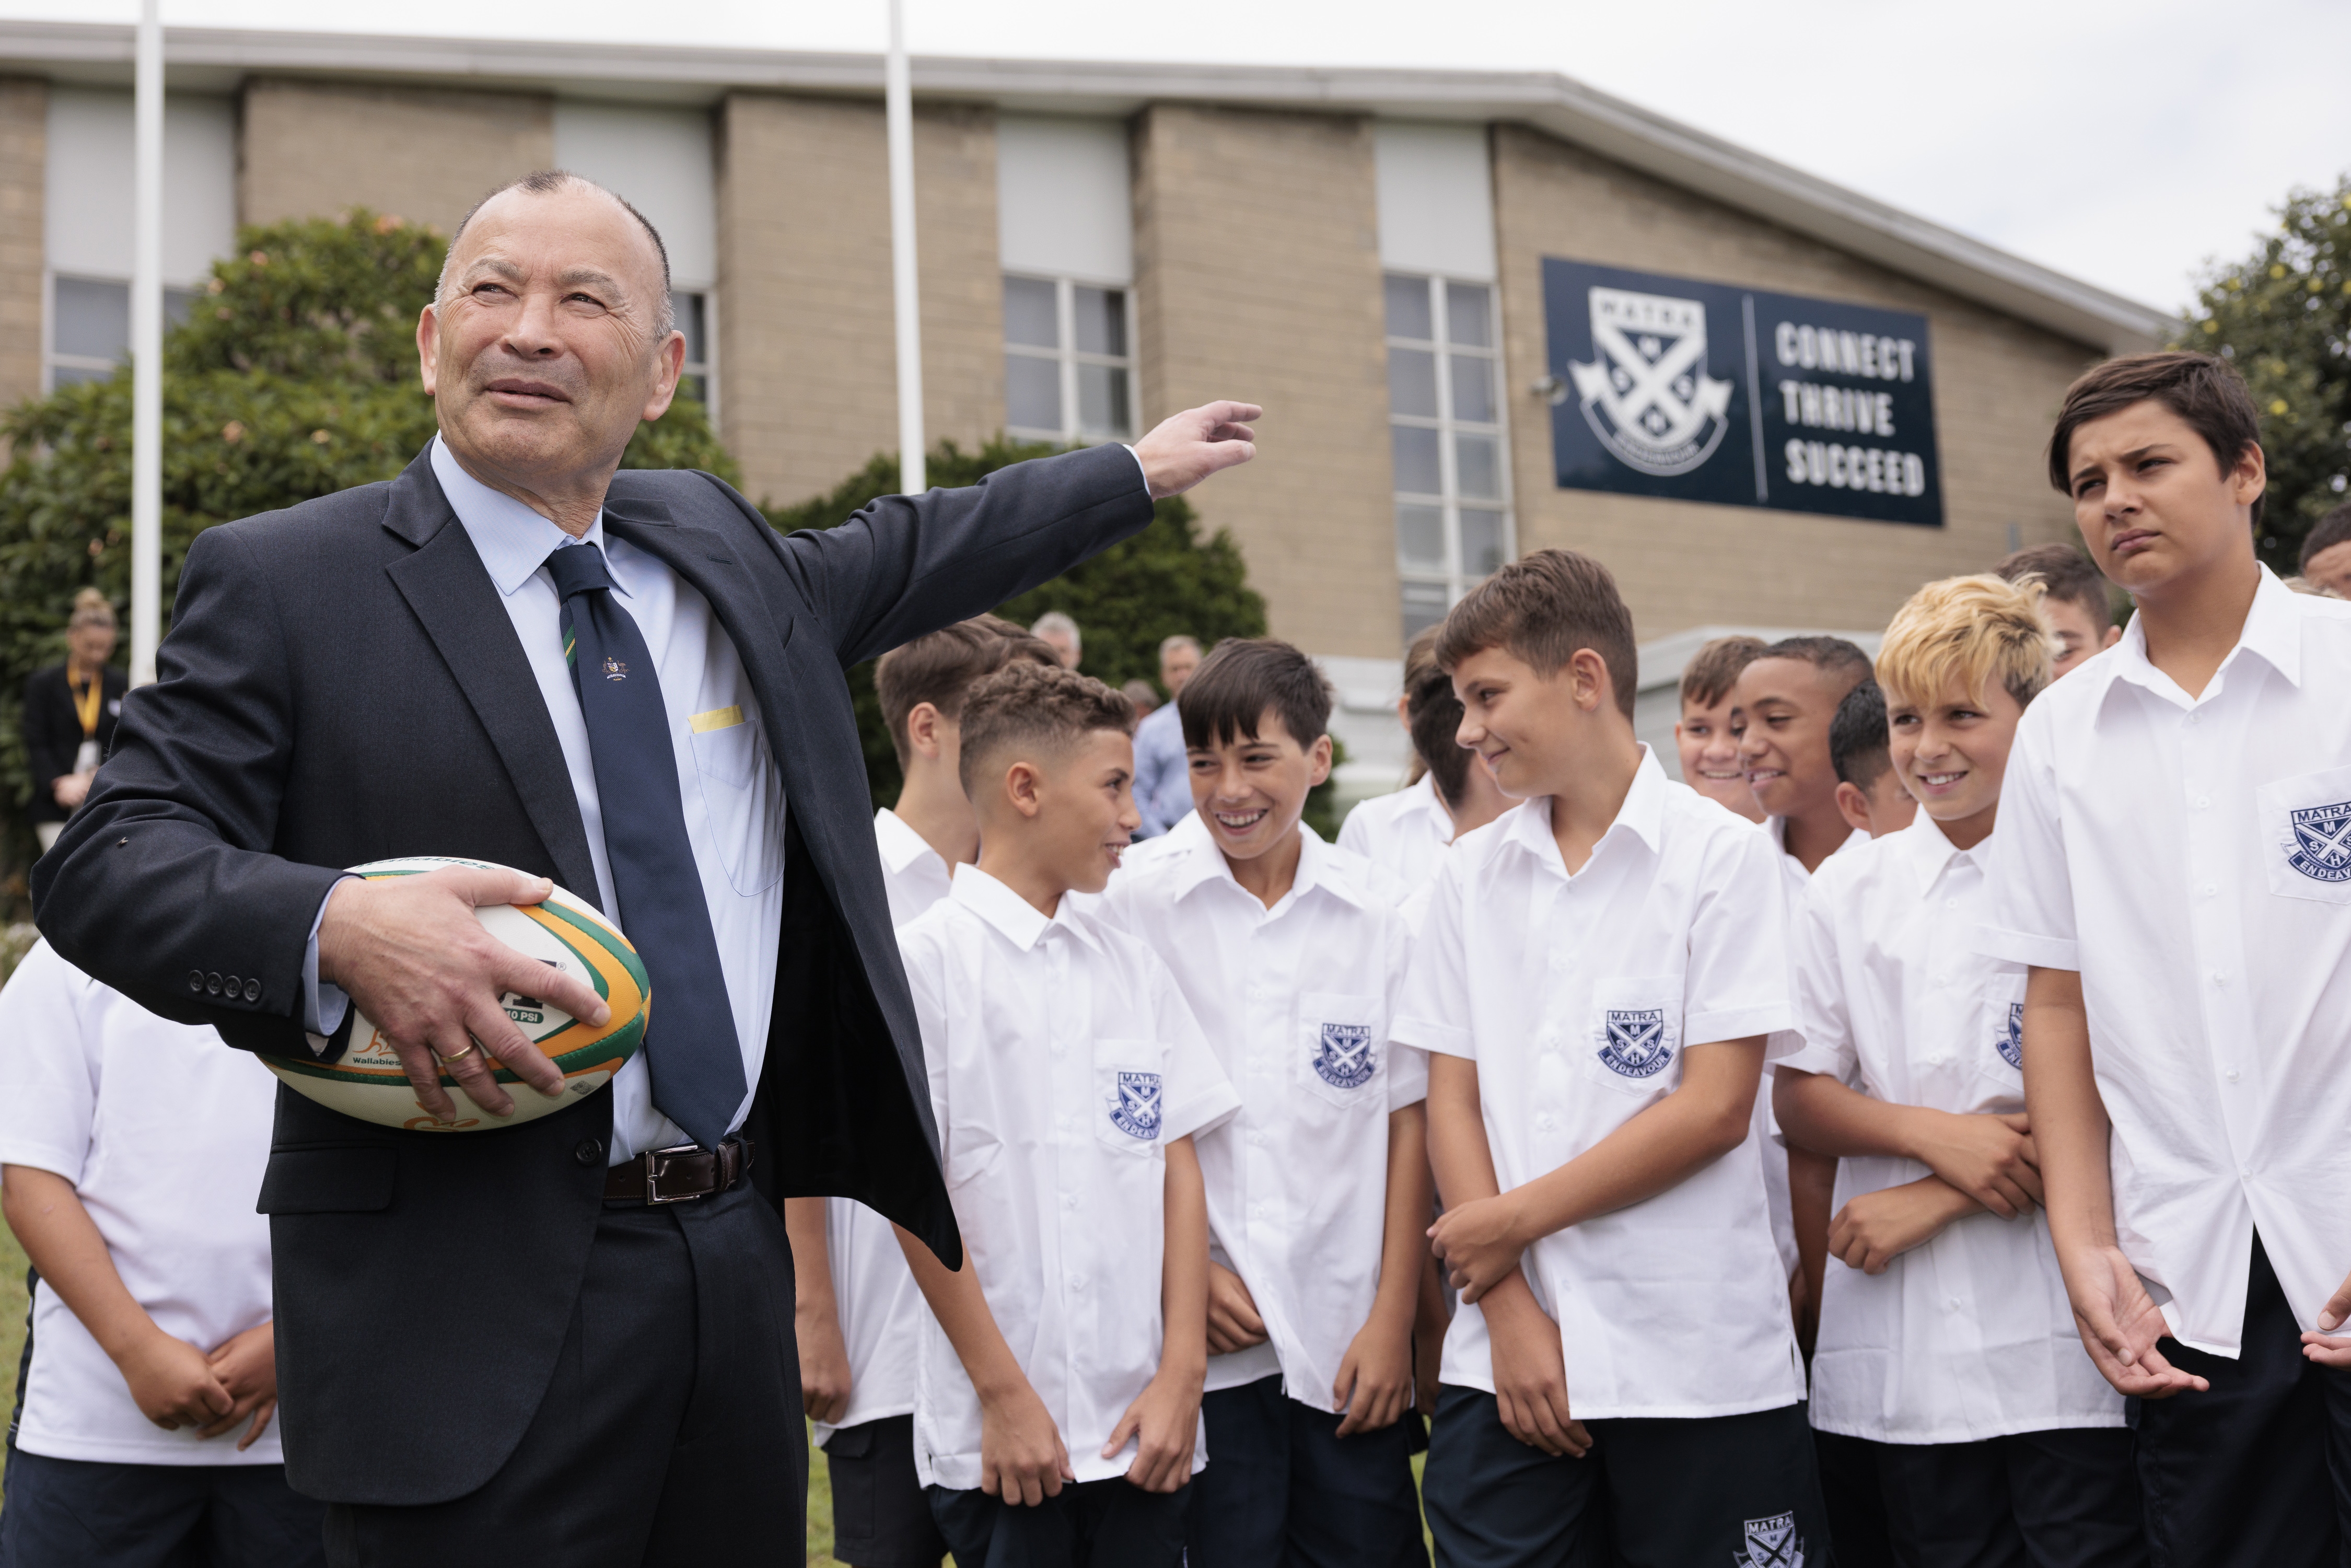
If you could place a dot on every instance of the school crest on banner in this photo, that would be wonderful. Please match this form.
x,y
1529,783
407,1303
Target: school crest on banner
x,y
2320,850
1344,1057
1637,1045
1771,1543
1645,392
2011,1037
1135,1113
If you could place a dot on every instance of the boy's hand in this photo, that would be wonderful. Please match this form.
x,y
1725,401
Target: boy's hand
x,y
1530,1374
2120,1323
1990,1158
824,1366
1164,1422
1876,1227
1233,1321
1021,1457
1374,1382
1478,1243
246,1366
172,1382
2331,1345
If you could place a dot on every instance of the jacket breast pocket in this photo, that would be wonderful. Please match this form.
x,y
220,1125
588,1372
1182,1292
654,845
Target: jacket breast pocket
x,y
2306,828
1632,1043
329,1178
1129,1084
1341,1053
743,794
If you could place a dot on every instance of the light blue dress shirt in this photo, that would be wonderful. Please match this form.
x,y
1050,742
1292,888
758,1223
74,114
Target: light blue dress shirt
x,y
1163,778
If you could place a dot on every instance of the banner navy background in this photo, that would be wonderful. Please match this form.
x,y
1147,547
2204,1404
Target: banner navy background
x,y
1701,392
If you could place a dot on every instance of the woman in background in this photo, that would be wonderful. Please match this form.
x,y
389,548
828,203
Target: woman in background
x,y
70,710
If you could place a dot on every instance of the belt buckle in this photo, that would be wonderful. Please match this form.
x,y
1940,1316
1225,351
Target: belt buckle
x,y
657,1163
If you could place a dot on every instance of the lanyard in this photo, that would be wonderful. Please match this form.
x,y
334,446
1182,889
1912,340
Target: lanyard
x,y
86,703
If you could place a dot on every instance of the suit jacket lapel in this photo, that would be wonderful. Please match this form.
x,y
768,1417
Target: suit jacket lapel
x,y
714,566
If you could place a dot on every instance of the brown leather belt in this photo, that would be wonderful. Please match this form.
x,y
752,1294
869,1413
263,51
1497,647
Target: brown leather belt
x,y
674,1174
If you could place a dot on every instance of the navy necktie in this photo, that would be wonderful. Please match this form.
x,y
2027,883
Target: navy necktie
x,y
691,1049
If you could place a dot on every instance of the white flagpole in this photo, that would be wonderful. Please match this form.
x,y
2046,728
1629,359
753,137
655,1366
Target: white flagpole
x,y
899,112
147,354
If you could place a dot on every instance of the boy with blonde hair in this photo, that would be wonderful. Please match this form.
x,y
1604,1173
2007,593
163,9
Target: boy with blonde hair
x,y
1955,1409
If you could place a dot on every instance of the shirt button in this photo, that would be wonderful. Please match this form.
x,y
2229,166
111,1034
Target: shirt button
x,y
1077,1282
2219,979
1950,903
1951,1304
2230,1075
2209,889
1069,1200
1546,1123
2202,801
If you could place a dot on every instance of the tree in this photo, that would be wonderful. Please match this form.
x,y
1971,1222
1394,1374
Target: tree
x,y
2282,316
293,376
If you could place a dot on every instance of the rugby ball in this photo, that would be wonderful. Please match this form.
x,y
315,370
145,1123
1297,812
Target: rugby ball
x,y
565,933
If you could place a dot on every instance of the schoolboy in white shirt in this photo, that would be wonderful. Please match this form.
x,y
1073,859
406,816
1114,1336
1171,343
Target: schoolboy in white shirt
x,y
1068,1079
1955,1409
2174,863
1595,982
2074,601
1405,831
859,1314
1291,954
131,1150
1706,737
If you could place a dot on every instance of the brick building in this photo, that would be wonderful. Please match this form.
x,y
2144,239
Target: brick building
x,y
1397,264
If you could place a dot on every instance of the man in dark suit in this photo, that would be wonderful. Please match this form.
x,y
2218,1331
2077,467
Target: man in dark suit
x,y
568,1340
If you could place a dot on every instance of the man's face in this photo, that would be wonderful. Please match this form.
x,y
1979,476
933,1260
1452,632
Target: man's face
x,y
541,357
1086,810
1952,750
1525,726
1064,646
1787,705
2331,567
1175,667
2080,635
1252,790
1708,739
2154,505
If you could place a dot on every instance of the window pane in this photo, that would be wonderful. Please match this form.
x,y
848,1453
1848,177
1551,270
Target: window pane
x,y
93,318
1476,466
1481,541
1030,314
1420,538
66,375
1469,314
1101,399
1408,307
1032,393
1101,320
1473,388
177,303
1412,382
1423,606
1416,471
687,308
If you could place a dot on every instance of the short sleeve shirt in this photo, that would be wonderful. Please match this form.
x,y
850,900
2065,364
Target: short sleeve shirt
x,y
1405,833
1062,1062
1576,996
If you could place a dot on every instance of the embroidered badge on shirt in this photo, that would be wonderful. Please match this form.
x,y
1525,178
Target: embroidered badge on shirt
x,y
2011,1038
2320,850
1136,1114
1771,1543
1343,1055
1636,1046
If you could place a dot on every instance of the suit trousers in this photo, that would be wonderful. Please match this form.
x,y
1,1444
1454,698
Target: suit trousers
x,y
671,1432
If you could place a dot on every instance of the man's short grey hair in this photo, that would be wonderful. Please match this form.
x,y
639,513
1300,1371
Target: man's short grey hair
x,y
547,183
1055,621
1181,640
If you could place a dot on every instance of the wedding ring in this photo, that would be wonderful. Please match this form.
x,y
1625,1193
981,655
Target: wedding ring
x,y
453,1061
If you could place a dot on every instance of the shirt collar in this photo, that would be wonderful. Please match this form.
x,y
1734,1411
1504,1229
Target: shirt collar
x,y
901,846
513,540
1527,827
2273,633
1014,916
1778,828
1200,862
1928,852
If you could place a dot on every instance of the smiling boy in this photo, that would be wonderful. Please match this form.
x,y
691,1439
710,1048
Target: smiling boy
x,y
2174,864
1705,736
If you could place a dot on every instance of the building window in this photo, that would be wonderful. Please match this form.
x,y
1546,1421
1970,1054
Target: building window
x,y
1446,436
90,326
1069,374
692,311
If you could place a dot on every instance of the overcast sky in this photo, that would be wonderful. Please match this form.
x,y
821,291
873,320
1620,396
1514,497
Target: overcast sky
x,y
2125,143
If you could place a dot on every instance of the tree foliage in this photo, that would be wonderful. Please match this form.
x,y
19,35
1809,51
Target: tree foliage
x,y
2282,316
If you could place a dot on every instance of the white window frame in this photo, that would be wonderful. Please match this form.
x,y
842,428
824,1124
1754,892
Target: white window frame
x,y
1454,578
1068,358
707,366
53,362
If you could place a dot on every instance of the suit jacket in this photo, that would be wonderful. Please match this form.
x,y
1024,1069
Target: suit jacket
x,y
342,685
53,735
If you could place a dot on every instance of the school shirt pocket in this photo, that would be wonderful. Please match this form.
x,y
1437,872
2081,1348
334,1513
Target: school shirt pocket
x,y
2306,828
1632,1042
1342,1051
743,794
1128,1087
1998,1048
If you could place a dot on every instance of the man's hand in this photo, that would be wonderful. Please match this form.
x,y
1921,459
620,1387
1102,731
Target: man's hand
x,y
173,1383
2331,1345
1185,448
2120,1323
1876,1227
418,964
1478,1243
1233,1321
1021,1457
1990,1158
1374,1383
824,1367
1530,1372
246,1366
71,790
1164,1422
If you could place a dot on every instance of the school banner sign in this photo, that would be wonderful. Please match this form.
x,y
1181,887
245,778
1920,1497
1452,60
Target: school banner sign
x,y
1701,392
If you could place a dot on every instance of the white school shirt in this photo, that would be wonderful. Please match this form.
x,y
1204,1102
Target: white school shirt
x,y
1574,996
1969,1336
1404,832
874,1292
163,1132
2191,859
1062,1061
1295,1001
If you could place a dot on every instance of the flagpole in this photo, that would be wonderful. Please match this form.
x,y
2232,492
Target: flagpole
x,y
147,351
899,112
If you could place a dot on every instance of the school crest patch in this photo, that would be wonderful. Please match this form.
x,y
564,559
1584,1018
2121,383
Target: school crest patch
x,y
1344,1057
1645,392
1636,1046
1136,1110
1771,1543
2320,850
2011,1037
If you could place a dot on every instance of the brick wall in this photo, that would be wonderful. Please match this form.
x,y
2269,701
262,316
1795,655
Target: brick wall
x,y
808,358
1257,278
24,156
427,154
